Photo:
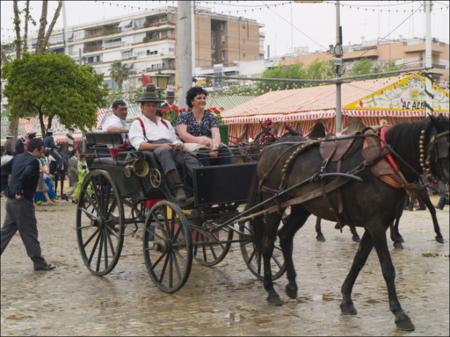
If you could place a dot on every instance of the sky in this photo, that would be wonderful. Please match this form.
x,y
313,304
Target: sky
x,y
287,24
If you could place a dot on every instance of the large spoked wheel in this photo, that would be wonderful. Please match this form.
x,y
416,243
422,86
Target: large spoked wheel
x,y
167,246
254,260
100,223
211,247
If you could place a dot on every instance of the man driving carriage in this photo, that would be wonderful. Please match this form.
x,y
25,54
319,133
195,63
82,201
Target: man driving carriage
x,y
152,133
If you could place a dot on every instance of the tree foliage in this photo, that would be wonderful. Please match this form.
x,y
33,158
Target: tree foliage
x,y
362,67
50,85
42,40
119,73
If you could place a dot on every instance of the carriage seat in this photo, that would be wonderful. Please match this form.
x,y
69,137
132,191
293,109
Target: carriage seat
x,y
335,150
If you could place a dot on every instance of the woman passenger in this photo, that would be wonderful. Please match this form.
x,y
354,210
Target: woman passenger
x,y
200,126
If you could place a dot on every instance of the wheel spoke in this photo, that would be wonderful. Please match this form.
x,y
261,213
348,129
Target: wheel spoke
x,y
106,248
89,240
170,271
92,217
159,259
163,271
213,252
276,261
99,257
110,243
177,267
252,256
112,231
93,250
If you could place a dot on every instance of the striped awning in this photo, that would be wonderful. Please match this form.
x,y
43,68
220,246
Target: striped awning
x,y
289,117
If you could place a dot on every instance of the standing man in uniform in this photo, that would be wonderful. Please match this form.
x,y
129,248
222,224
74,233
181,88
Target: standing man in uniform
x,y
20,213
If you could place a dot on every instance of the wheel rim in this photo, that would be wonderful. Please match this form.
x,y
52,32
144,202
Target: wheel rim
x,y
167,246
254,261
100,224
209,248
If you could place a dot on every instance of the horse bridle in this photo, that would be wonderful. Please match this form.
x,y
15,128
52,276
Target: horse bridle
x,y
437,145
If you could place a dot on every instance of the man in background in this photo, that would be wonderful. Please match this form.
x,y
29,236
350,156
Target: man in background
x,y
20,212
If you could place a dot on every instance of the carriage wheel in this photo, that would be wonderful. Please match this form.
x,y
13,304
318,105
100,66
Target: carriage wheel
x,y
100,223
167,246
254,260
209,247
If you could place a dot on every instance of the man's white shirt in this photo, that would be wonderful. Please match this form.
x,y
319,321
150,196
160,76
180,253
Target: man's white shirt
x,y
114,121
153,132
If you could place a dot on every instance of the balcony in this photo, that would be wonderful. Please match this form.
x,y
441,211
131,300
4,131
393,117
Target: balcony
x,y
102,31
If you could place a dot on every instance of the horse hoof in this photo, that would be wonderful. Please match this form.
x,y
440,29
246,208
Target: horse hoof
x,y
404,323
348,309
291,291
398,245
355,238
320,238
275,300
400,239
440,239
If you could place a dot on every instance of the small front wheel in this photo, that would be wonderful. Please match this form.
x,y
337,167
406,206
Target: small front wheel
x,y
167,246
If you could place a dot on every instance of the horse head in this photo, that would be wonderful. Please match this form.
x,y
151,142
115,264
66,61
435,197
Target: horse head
x,y
435,155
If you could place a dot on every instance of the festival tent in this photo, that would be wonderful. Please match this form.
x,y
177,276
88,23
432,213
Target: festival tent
x,y
395,99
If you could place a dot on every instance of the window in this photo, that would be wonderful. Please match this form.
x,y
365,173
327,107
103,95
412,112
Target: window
x,y
138,23
125,25
126,54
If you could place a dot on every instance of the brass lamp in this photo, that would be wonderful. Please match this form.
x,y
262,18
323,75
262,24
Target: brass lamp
x,y
161,80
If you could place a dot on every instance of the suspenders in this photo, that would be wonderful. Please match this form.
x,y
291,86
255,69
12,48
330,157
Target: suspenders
x,y
141,122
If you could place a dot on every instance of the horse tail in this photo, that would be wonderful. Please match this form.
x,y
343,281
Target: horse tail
x,y
254,198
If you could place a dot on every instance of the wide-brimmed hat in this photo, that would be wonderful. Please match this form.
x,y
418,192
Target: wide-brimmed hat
x,y
150,95
170,94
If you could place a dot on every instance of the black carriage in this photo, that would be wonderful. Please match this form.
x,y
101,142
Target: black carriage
x,y
126,188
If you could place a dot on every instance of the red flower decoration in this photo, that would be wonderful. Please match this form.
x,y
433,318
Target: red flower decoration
x,y
164,110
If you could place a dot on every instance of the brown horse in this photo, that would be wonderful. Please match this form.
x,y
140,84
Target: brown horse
x,y
372,204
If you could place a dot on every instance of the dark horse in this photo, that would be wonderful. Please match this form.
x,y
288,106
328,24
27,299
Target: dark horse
x,y
372,204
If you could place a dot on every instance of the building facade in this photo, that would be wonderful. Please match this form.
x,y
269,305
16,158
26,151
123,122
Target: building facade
x,y
146,43
407,52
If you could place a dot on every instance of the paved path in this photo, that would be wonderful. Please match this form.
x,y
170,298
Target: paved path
x,y
226,299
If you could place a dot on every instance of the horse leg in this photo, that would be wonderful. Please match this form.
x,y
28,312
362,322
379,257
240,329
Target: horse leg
x,y
355,236
402,320
395,234
319,235
268,242
432,210
364,249
294,222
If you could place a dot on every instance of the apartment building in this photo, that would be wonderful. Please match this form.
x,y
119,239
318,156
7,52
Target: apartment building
x,y
146,42
407,52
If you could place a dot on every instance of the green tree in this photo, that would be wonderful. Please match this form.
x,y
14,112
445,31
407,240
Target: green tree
x,y
362,67
50,85
21,42
294,71
320,70
119,73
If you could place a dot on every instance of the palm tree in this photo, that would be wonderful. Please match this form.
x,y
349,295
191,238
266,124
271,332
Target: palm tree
x,y
119,73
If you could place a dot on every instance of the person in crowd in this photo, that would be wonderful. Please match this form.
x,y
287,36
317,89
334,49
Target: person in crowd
x,y
443,195
152,133
50,146
82,171
116,123
20,212
22,142
72,168
42,191
8,147
200,126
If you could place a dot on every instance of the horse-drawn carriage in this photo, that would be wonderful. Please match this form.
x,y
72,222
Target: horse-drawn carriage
x,y
128,188
359,179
